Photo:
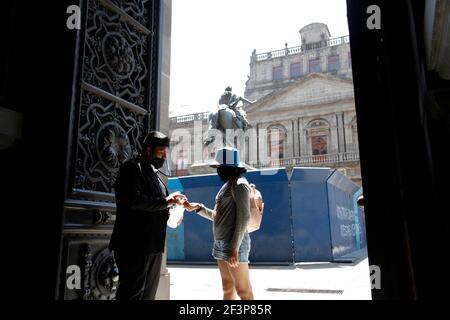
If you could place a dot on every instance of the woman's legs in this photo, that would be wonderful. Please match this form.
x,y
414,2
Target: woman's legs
x,y
229,291
241,277
234,280
238,278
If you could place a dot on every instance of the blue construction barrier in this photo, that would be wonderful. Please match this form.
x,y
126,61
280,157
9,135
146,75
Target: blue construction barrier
x,y
362,230
312,217
175,236
272,243
345,224
195,235
192,240
326,221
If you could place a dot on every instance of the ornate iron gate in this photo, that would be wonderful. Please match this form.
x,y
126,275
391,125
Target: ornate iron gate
x,y
113,106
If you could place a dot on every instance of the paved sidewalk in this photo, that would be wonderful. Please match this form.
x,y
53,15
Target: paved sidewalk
x,y
305,281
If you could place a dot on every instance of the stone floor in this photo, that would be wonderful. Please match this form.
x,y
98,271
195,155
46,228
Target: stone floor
x,y
304,281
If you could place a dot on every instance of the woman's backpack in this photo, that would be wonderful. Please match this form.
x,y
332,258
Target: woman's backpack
x,y
256,208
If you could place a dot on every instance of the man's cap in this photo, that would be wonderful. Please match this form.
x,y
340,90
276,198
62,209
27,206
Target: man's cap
x,y
156,139
228,157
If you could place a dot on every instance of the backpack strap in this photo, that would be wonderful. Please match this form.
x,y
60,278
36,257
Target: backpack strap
x,y
231,188
233,183
252,186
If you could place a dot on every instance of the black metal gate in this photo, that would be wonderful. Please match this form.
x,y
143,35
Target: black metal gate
x,y
113,106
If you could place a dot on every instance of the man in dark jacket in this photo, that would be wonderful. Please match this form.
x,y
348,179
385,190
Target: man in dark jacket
x,y
139,234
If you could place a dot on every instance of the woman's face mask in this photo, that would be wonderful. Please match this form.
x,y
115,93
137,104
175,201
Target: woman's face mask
x,y
223,174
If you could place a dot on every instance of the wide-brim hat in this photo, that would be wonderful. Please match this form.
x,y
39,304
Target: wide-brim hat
x,y
228,157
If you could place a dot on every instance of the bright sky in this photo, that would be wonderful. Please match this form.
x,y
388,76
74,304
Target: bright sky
x,y
212,41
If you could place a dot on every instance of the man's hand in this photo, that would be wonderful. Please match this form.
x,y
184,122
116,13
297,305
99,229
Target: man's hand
x,y
233,259
191,206
176,198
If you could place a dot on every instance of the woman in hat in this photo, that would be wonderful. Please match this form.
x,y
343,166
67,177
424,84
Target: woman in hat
x,y
230,216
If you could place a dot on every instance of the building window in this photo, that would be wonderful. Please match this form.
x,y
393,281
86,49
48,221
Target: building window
x,y
277,73
333,63
276,144
182,160
318,133
349,60
212,153
182,163
209,153
319,145
296,70
314,65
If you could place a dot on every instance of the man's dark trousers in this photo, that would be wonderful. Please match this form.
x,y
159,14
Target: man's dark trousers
x,y
138,275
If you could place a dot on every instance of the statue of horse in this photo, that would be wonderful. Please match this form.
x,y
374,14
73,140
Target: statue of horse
x,y
225,118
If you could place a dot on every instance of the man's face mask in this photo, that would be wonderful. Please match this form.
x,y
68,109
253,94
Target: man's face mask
x,y
157,162
159,157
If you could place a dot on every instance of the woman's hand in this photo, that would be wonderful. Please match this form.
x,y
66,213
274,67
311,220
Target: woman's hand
x,y
191,206
233,259
176,198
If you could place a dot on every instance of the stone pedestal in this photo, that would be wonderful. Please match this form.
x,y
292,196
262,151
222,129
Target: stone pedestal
x,y
201,168
204,168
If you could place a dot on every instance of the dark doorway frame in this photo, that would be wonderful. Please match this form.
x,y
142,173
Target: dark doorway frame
x,y
404,180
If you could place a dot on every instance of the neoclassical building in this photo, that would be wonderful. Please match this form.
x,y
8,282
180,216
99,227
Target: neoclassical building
x,y
304,114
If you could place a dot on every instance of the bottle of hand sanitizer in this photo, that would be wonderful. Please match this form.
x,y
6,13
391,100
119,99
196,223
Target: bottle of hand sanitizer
x,y
176,213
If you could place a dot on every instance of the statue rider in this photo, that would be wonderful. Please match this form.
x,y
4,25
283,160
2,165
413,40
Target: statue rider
x,y
228,100
231,100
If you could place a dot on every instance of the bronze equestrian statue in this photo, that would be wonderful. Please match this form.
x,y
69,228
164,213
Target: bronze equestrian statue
x,y
227,115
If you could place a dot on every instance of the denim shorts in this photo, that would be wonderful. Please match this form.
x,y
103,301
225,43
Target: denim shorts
x,y
221,249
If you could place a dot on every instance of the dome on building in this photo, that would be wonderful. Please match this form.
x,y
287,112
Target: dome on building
x,y
314,32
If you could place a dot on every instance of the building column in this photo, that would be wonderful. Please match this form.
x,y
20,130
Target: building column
x,y
334,143
340,128
349,146
263,152
302,141
162,123
258,141
323,63
289,151
294,139
305,64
